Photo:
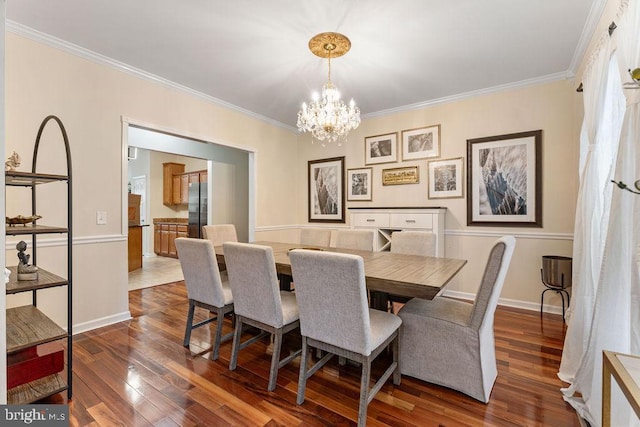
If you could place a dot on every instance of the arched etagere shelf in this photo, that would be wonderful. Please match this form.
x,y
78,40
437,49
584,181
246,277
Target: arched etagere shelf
x,y
33,351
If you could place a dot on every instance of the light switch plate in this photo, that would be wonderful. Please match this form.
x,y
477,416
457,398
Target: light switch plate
x,y
101,217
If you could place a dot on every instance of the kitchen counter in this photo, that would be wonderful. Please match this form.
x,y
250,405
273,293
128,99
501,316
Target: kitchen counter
x,y
170,221
165,232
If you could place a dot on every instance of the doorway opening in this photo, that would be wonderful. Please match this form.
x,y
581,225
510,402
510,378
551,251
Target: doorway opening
x,y
227,170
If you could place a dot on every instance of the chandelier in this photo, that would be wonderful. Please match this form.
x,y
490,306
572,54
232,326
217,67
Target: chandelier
x,y
327,118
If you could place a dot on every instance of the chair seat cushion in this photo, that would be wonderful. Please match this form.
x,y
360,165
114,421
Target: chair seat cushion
x,y
442,309
383,324
290,311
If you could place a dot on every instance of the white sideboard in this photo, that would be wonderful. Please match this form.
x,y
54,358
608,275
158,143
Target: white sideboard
x,y
388,220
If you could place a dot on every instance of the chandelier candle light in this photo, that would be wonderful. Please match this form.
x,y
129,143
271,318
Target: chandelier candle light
x,y
328,119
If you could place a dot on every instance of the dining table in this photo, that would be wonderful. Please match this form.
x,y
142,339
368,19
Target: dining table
x,y
385,272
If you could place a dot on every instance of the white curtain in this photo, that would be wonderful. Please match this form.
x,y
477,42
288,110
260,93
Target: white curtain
x,y
606,284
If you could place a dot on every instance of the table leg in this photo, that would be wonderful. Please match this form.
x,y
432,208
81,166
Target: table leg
x,y
606,391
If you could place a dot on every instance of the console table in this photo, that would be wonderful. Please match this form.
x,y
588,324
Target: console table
x,y
626,370
387,220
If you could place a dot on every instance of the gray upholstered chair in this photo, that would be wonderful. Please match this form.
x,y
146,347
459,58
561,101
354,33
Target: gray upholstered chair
x,y
450,342
421,243
206,287
220,233
335,317
361,240
315,236
259,301
413,243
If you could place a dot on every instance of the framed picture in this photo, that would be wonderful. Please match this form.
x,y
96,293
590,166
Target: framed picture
x,y
381,149
326,190
421,143
504,180
359,184
398,176
446,178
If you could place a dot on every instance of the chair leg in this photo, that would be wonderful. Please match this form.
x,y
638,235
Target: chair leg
x,y
236,344
216,343
364,392
397,376
187,331
275,360
302,378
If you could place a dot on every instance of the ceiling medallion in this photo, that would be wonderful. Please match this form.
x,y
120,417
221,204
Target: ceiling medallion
x,y
327,118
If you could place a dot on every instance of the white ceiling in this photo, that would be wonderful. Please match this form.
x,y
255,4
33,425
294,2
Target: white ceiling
x,y
253,54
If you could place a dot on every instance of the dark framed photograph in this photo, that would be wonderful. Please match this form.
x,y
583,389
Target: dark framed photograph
x,y
381,149
326,190
421,143
504,180
399,176
446,178
359,184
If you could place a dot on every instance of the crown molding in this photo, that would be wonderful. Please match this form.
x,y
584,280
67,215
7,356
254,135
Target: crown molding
x,y
89,55
466,95
590,25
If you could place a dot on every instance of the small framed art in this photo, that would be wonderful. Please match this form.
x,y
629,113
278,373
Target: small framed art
x,y
326,190
359,184
399,176
421,143
381,149
446,178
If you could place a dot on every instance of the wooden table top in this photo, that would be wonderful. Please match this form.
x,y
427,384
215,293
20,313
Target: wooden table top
x,y
397,274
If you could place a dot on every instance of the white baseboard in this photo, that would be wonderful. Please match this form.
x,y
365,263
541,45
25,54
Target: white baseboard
x,y
525,305
99,323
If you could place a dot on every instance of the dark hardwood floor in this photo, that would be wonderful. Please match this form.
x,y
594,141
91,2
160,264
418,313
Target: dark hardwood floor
x,y
137,373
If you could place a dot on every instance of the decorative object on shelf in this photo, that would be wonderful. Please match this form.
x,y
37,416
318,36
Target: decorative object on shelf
x,y
359,184
635,76
399,176
381,149
26,271
624,186
328,119
504,180
326,190
24,220
421,143
446,178
13,161
7,273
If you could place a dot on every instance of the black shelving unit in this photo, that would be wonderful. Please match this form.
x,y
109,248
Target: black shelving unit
x,y
27,326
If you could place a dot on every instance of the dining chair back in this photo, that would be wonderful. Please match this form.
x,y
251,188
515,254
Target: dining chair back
x,y
335,318
206,287
220,233
413,243
355,239
451,342
315,236
259,301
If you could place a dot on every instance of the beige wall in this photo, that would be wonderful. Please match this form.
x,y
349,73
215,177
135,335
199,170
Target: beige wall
x,y
549,107
91,100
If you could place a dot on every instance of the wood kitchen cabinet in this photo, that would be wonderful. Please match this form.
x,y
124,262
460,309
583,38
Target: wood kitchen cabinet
x,y
169,170
165,234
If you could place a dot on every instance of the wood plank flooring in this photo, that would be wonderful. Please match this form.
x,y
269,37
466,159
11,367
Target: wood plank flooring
x,y
136,373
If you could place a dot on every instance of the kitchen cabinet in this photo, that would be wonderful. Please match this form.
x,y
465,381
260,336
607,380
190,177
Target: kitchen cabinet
x,y
169,170
165,233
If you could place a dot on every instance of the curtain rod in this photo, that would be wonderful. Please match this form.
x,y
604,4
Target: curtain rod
x,y
612,28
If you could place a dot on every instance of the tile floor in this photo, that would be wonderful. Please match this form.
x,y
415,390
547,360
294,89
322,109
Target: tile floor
x,y
156,270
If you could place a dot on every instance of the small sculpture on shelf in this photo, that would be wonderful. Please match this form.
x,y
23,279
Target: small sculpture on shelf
x,y
25,270
12,162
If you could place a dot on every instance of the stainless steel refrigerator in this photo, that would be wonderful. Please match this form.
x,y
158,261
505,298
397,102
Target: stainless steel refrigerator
x,y
197,208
